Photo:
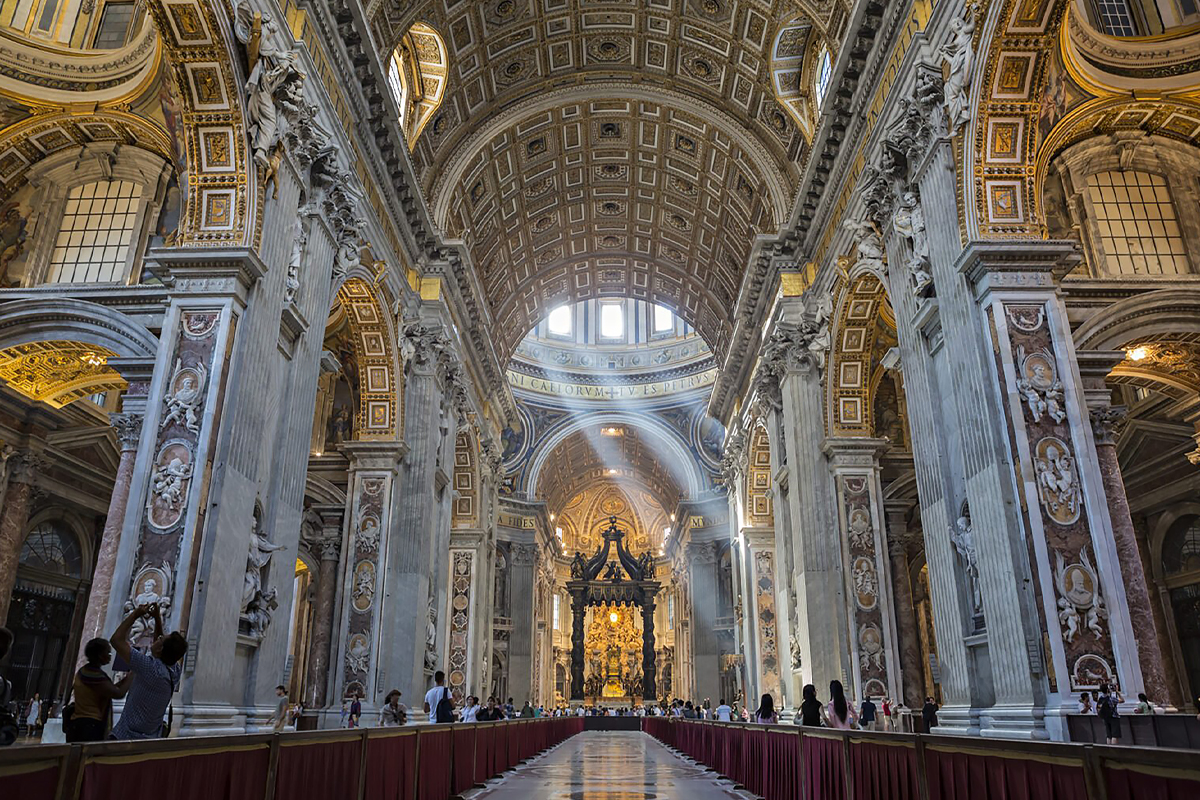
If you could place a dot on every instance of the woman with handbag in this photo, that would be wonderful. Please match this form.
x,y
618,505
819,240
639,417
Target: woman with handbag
x,y
89,717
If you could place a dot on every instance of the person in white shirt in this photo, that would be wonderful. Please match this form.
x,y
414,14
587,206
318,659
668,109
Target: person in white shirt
x,y
724,712
470,712
436,695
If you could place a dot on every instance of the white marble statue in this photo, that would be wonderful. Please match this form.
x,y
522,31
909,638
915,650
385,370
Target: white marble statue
x,y
184,395
959,53
962,538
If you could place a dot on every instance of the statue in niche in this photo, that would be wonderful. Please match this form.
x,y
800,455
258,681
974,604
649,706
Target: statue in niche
x,y
340,426
257,603
292,282
431,634
962,538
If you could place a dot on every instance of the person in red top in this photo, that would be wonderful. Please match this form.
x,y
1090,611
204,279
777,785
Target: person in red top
x,y
887,714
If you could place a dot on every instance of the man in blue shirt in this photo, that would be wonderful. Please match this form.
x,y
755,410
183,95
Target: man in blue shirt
x,y
155,676
866,717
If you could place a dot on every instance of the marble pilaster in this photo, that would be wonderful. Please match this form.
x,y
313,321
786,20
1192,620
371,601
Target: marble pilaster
x,y
854,462
521,575
705,650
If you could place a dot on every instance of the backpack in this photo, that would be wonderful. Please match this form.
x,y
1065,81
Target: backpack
x,y
1106,707
445,708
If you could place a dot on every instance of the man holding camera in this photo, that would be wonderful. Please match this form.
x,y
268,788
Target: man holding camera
x,y
155,676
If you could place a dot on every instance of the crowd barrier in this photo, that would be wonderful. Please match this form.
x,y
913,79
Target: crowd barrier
x,y
794,763
433,762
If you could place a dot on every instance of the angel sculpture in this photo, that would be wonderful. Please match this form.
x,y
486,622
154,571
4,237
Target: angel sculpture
x,y
868,246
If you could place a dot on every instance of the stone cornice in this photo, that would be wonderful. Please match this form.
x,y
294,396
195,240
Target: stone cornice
x,y
755,295
369,92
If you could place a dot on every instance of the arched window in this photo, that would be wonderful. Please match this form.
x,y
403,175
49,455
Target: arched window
x,y
1181,547
417,73
822,74
52,549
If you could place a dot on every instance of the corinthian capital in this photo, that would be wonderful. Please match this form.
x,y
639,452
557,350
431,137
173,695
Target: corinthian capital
x,y
128,428
1107,422
423,346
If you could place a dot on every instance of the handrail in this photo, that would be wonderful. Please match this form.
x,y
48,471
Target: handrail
x,y
1101,768
32,769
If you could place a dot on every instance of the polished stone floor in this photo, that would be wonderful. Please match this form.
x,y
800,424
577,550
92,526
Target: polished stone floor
x,y
599,765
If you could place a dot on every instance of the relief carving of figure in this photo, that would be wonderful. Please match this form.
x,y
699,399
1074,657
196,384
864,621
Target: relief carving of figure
x,y
359,653
154,587
860,528
1057,481
1079,602
167,482
1039,385
959,53
184,394
870,647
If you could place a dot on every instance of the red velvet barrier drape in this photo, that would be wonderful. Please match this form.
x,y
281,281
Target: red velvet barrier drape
x,y
824,769
38,782
317,770
463,759
236,774
500,749
434,766
1126,784
484,743
754,759
782,766
963,776
391,767
883,772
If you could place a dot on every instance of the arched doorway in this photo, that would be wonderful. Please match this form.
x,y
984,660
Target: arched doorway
x,y
1181,573
45,612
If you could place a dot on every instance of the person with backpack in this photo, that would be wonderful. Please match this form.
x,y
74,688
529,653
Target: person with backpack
x,y
439,703
1107,702
155,677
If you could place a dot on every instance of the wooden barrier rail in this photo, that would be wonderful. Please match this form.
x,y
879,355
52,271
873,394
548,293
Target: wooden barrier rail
x,y
798,763
433,762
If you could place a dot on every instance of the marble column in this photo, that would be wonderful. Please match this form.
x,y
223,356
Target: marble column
x,y
649,667
578,613
129,430
1158,596
1094,367
14,520
907,637
328,548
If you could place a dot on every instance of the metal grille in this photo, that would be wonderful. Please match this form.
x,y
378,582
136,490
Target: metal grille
x,y
96,231
1139,230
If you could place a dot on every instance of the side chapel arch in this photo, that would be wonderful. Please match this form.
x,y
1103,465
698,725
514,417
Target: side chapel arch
x,y
381,409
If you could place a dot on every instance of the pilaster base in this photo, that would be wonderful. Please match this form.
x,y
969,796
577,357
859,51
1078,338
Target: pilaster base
x,y
955,721
209,720
1021,722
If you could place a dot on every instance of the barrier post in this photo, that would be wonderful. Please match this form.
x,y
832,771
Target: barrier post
x,y
922,775
416,783
846,770
362,764
272,768
1093,774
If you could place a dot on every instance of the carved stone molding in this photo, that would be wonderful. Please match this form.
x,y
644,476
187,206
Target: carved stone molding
x,y
128,428
1107,423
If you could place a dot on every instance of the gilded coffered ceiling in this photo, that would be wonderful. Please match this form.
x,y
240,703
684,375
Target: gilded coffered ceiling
x,y
619,455
609,148
58,372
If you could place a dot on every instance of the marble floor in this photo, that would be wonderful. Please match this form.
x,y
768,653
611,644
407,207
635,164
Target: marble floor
x,y
597,765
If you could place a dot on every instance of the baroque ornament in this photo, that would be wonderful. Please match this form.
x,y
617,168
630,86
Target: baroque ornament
x,y
1057,480
959,54
1079,602
185,395
1039,385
